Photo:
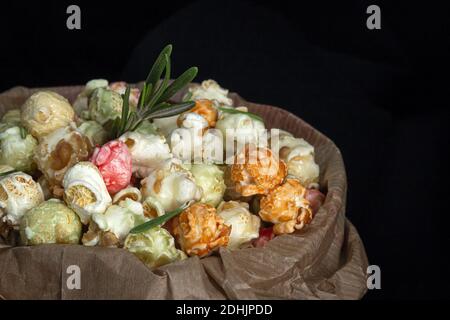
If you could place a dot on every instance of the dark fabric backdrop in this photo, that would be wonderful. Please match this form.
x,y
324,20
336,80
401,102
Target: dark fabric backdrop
x,y
380,95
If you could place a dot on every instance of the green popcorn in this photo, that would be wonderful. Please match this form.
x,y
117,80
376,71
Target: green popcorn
x,y
154,247
147,128
10,119
94,84
210,178
105,105
17,151
94,131
50,222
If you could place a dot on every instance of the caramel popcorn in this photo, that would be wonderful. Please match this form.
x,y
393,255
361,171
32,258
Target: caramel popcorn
x,y
200,231
204,108
59,151
257,172
286,207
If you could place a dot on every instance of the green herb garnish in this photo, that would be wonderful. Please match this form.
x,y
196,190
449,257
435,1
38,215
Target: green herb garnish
x,y
7,173
23,132
157,221
154,97
234,111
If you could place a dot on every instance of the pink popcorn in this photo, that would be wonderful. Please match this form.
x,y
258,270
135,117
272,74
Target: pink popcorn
x,y
114,163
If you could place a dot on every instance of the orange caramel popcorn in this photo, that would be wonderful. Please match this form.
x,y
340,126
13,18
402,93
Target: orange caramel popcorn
x,y
205,109
257,173
286,207
199,230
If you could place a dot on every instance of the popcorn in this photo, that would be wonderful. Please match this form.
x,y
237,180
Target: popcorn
x,y
148,152
118,220
94,131
154,247
10,119
244,225
240,126
166,125
200,231
152,208
105,105
114,163
120,87
81,104
16,151
286,207
45,112
210,89
192,120
18,194
5,168
193,140
85,191
257,171
50,222
299,157
186,144
58,151
127,193
203,108
171,186
210,178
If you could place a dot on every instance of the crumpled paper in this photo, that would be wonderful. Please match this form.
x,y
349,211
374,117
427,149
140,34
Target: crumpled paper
x,y
325,260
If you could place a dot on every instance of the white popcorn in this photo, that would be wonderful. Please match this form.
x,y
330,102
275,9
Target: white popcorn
x,y
18,194
210,89
85,191
244,225
171,185
148,152
120,219
299,157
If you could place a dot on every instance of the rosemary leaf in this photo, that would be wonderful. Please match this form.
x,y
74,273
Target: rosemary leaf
x,y
23,132
158,67
172,111
115,127
125,111
179,83
157,221
131,120
148,93
7,173
188,96
153,101
162,87
160,106
142,96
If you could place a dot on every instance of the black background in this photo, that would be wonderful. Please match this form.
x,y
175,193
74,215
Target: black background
x,y
380,95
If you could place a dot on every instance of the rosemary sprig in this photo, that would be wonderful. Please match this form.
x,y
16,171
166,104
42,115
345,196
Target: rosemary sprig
x,y
154,101
23,132
157,221
7,173
234,111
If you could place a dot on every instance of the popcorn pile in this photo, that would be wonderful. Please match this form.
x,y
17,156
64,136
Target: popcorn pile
x,y
63,182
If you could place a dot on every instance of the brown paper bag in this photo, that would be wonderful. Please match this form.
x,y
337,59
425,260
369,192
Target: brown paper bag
x,y
326,260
